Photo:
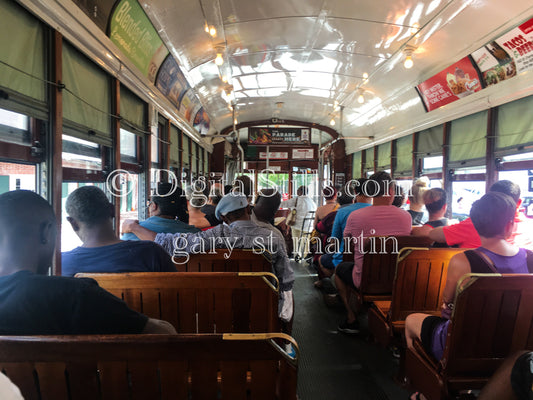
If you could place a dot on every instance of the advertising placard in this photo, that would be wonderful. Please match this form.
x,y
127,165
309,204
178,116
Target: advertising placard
x,y
506,56
268,136
171,81
302,154
133,33
274,155
453,83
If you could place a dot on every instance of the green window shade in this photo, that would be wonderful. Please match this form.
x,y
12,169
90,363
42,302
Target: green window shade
x,y
384,155
467,139
86,100
174,146
206,162
132,111
369,164
515,126
22,47
185,152
429,141
194,157
404,156
356,165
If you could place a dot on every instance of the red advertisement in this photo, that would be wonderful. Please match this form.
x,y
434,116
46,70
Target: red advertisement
x,y
455,82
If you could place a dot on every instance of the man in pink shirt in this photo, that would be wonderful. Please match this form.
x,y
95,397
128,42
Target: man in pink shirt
x,y
380,219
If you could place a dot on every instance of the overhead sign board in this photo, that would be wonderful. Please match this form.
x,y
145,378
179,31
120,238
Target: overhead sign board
x,y
453,83
271,136
302,154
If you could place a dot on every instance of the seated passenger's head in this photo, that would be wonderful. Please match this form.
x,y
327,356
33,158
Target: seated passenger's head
x,y
266,204
302,191
417,191
347,194
493,215
168,201
88,208
380,187
399,198
509,188
27,232
435,200
244,185
329,192
233,207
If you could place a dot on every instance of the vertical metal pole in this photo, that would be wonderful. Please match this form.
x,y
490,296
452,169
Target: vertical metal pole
x,y
320,170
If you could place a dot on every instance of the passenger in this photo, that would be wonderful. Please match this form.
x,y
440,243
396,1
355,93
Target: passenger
x,y
381,219
214,198
329,261
493,217
513,380
8,390
197,200
164,209
303,206
237,231
416,200
464,233
266,205
32,303
91,215
243,184
435,202
330,196
399,198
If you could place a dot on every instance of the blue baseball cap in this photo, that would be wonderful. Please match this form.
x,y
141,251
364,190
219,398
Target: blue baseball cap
x,y
230,202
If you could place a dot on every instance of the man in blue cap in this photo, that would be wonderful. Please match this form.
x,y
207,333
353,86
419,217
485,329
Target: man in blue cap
x,y
237,232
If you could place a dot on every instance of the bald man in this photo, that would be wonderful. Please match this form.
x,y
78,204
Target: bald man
x,y
32,303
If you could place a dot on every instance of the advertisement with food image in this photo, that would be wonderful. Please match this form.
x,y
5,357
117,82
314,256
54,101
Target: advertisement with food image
x,y
494,63
457,81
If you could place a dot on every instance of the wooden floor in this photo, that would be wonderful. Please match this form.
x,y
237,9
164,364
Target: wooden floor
x,y
334,365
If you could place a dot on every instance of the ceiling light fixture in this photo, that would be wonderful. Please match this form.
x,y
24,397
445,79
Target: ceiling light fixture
x,y
224,79
408,51
361,98
212,31
365,75
219,60
332,122
206,28
414,28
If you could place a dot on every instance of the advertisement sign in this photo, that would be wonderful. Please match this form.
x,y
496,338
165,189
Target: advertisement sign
x,y
171,81
133,33
506,56
455,82
302,154
274,155
201,122
279,136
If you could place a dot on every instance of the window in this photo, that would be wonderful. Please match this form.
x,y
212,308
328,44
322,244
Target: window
x,y
128,146
14,128
15,176
81,154
432,163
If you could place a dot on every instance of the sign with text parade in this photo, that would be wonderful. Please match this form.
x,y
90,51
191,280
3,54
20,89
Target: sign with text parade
x,y
453,83
133,33
268,136
506,56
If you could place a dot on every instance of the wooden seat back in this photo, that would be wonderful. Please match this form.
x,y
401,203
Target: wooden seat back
x,y
379,261
224,260
492,318
210,366
419,282
200,302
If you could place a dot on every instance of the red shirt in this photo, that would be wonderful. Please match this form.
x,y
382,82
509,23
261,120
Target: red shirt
x,y
465,235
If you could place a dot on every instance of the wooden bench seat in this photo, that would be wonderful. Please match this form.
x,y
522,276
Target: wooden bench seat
x,y
492,319
379,266
221,260
130,367
200,302
418,285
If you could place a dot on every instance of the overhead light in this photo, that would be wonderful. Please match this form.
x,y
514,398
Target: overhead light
x,y
219,60
335,105
224,78
414,28
206,28
361,98
365,75
212,31
235,121
408,51
279,104
332,122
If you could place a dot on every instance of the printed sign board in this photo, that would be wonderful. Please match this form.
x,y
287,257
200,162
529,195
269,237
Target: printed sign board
x,y
268,136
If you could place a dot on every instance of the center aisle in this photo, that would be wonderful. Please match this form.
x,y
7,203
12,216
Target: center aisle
x,y
334,365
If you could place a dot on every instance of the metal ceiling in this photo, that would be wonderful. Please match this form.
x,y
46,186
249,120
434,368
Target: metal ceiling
x,y
314,55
